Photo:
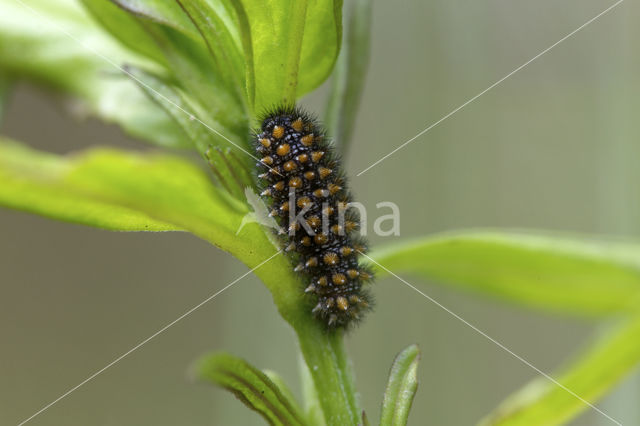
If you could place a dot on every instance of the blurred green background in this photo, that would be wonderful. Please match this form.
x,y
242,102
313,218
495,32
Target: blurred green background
x,y
554,147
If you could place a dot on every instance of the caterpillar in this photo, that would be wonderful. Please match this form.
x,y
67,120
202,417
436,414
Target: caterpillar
x,y
305,188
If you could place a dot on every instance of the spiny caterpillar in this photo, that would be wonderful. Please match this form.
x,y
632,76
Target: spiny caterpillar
x,y
306,190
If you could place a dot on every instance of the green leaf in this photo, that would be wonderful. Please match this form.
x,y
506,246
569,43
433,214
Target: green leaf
x,y
173,191
165,188
230,171
282,386
168,13
203,63
172,101
202,57
252,387
59,46
247,48
126,28
35,182
219,31
568,275
209,97
349,76
320,44
294,44
5,93
365,419
401,388
602,366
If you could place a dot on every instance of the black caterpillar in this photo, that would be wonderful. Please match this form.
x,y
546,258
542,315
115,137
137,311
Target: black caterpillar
x,y
305,187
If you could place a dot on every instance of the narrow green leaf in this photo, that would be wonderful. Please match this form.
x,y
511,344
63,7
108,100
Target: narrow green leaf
x,y
365,419
173,191
56,44
247,48
165,188
597,371
165,12
294,44
172,101
252,387
282,386
220,33
203,60
350,75
576,276
35,182
401,388
5,94
210,98
230,171
320,44
124,27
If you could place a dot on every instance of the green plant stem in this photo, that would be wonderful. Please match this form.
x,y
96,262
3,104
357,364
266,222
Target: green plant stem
x,y
323,352
330,368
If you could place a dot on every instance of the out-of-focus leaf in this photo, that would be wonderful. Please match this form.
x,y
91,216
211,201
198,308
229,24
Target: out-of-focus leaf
x,y
229,165
349,76
5,93
170,100
220,33
401,388
58,45
230,171
181,32
204,80
36,182
575,276
165,12
252,387
294,44
603,365
282,386
173,191
120,24
209,97
165,188
247,48
365,419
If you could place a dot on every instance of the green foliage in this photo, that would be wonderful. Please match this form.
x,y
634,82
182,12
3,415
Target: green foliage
x,y
135,191
5,93
571,276
222,61
294,45
590,376
349,75
401,388
39,183
37,47
163,12
193,75
251,386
